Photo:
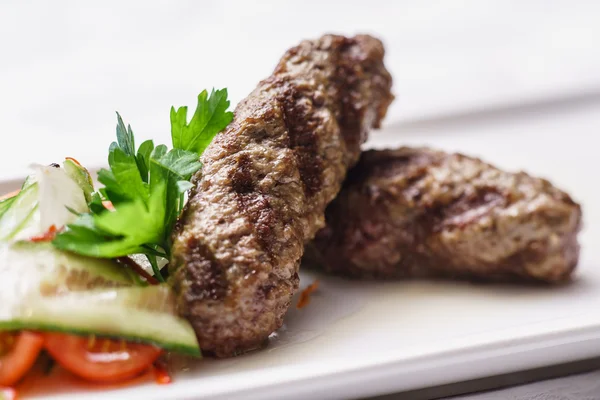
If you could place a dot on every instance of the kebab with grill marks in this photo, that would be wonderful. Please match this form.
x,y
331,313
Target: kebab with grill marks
x,y
264,186
417,212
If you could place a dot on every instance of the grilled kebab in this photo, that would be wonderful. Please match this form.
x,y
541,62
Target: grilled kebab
x,y
264,186
417,212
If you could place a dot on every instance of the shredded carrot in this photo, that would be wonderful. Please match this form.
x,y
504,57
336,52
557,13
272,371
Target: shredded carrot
x,y
47,236
9,195
305,295
74,160
162,375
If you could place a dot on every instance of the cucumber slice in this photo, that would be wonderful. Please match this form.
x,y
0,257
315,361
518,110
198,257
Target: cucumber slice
x,y
81,177
45,289
20,215
48,197
144,314
41,264
59,198
5,205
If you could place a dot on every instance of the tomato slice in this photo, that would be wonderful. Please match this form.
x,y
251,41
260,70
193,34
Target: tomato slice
x,y
100,360
18,352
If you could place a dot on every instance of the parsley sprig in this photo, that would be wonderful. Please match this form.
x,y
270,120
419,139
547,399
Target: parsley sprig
x,y
146,186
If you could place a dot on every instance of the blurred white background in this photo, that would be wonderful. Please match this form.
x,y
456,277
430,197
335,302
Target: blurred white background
x,y
68,65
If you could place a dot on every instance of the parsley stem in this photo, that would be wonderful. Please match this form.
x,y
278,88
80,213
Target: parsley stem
x,y
157,273
138,269
151,250
181,203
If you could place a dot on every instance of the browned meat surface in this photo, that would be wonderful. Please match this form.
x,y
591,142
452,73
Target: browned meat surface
x,y
416,212
265,184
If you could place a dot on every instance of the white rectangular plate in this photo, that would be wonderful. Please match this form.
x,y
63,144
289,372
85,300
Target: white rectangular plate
x,y
360,339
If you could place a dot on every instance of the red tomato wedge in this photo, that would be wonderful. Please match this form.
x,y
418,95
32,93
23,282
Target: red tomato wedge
x,y
18,352
100,360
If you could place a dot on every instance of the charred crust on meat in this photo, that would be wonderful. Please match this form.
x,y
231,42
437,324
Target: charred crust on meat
x,y
346,79
298,117
466,209
241,176
265,183
411,213
204,272
261,215
259,210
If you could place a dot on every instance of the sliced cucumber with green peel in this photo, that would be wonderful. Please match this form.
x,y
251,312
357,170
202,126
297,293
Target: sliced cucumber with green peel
x,y
46,289
80,176
49,197
41,265
19,217
5,204
131,313
60,199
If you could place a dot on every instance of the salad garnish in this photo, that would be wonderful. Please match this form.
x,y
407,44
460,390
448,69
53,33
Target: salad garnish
x,y
82,267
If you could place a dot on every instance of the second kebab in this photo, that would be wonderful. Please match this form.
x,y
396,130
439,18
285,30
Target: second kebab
x,y
421,213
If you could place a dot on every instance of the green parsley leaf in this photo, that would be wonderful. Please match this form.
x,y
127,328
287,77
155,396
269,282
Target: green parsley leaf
x,y
125,137
147,219
83,237
210,118
120,232
143,159
124,177
184,186
173,167
180,163
155,269
146,187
